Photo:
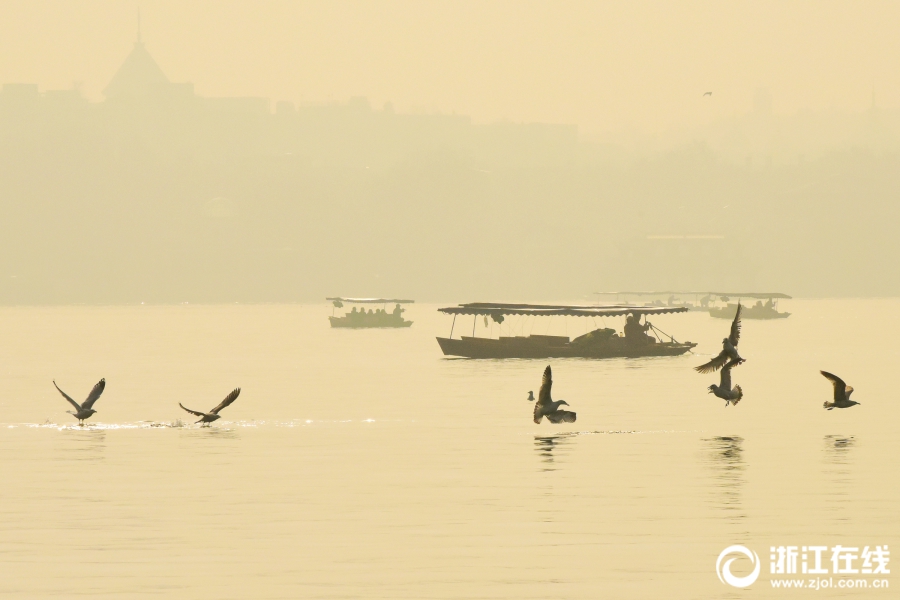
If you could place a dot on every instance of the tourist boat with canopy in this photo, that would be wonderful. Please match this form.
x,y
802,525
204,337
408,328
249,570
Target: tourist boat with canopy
x,y
693,301
363,319
710,302
758,310
602,342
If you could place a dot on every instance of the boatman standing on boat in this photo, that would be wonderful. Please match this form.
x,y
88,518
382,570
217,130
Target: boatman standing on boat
x,y
398,311
636,332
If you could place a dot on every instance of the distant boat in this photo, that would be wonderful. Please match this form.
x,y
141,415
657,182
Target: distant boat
x,y
705,301
599,343
371,319
693,301
759,310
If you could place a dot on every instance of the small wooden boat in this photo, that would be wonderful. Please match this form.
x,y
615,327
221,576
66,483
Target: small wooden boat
x,y
599,343
363,319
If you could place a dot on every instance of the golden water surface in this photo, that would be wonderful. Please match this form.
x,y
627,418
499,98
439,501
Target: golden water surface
x,y
363,464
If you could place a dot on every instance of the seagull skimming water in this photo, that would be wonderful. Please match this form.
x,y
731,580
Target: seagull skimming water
x,y
84,410
724,389
729,348
842,392
213,415
546,407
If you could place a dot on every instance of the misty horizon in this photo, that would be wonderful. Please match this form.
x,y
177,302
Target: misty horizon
x,y
141,186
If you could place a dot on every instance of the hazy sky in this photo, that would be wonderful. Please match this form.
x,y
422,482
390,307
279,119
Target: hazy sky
x,y
603,65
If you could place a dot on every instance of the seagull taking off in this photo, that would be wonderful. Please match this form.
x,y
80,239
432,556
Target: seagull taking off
x,y
729,348
842,392
562,416
545,407
724,389
84,410
214,415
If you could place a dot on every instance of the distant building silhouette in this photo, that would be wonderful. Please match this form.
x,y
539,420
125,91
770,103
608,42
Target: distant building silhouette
x,y
158,194
138,76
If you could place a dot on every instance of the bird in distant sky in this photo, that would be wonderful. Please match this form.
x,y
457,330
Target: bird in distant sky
x,y
85,409
729,348
708,94
842,392
213,415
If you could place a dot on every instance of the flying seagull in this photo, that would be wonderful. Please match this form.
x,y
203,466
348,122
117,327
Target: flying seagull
x,y
708,94
842,392
84,410
729,348
213,415
546,407
724,389
562,416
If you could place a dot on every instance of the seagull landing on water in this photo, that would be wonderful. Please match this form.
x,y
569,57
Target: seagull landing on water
x,y
842,392
214,415
724,389
546,407
729,348
84,410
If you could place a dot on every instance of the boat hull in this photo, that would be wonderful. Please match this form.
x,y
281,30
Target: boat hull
x,y
747,312
343,322
553,347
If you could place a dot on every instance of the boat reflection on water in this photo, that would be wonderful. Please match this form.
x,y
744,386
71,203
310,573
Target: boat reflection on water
x,y
725,454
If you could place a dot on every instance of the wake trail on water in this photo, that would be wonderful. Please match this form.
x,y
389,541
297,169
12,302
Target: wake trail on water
x,y
179,424
622,432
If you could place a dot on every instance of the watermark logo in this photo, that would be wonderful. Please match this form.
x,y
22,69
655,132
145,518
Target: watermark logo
x,y
845,567
724,570
845,560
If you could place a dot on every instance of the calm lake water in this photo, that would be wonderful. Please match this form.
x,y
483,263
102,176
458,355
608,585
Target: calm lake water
x,y
363,464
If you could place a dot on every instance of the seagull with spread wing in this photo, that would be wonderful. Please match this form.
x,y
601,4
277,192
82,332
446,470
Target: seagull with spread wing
x,y
546,407
729,351
724,390
842,392
85,409
214,415
562,416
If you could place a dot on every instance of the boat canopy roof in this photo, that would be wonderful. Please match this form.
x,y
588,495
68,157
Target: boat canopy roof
x,y
759,295
371,300
499,308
